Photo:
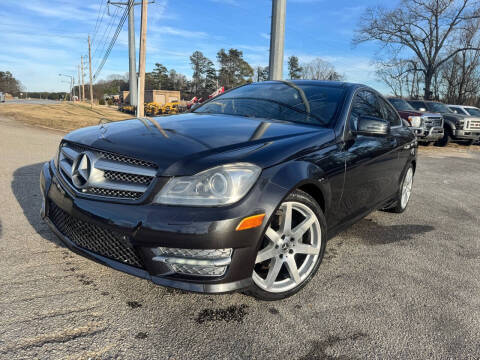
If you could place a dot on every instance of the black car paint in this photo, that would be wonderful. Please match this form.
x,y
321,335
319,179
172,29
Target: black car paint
x,y
349,175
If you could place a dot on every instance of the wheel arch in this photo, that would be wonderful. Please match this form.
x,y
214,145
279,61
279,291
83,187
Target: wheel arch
x,y
307,177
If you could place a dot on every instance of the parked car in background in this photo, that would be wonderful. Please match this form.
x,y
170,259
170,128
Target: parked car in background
x,y
2,97
465,110
427,126
456,127
240,194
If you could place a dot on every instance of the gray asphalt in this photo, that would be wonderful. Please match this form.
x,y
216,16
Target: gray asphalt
x,y
391,287
32,101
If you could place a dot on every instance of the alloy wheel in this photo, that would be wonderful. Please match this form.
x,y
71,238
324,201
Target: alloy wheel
x,y
290,249
407,187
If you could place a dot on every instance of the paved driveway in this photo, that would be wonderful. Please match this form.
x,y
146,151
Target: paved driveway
x,y
392,286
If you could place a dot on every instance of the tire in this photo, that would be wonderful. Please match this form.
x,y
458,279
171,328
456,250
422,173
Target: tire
x,y
281,268
469,142
447,137
406,185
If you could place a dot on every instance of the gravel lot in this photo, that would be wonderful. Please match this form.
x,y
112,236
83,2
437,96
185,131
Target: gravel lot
x,y
392,286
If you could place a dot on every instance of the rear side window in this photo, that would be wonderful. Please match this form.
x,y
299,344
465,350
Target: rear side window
x,y
390,114
364,104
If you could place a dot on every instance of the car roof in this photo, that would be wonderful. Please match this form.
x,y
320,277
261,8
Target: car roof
x,y
465,106
339,84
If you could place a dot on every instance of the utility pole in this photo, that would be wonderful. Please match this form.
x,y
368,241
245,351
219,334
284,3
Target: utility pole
x,y
72,83
277,39
142,59
78,82
90,68
83,85
132,71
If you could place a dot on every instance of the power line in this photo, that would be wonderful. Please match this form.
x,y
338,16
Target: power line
x,y
99,20
114,39
106,35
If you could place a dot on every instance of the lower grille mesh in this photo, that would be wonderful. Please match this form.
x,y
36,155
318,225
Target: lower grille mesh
x,y
93,238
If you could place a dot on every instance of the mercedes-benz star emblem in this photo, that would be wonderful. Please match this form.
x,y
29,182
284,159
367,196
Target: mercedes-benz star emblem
x,y
81,170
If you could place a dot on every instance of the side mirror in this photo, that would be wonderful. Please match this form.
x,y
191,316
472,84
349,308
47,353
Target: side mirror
x,y
372,126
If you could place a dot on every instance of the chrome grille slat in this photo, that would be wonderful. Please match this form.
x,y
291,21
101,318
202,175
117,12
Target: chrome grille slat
x,y
70,153
66,167
433,121
111,165
121,186
106,175
474,124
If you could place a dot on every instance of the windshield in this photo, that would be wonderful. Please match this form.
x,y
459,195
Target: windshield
x,y
401,105
438,107
473,111
304,103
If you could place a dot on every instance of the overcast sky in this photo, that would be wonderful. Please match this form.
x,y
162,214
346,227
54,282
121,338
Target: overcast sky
x,y
41,39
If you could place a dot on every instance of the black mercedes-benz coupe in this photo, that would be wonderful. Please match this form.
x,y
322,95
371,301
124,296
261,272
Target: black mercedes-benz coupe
x,y
242,193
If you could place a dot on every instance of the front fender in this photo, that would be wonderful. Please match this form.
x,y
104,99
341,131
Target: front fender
x,y
296,174
449,123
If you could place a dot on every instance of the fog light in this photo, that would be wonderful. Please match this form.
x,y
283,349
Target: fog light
x,y
197,262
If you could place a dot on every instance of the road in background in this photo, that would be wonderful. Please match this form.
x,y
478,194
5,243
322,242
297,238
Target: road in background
x,y
392,286
31,101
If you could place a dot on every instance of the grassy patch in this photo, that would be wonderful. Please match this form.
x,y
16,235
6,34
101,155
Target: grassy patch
x,y
63,116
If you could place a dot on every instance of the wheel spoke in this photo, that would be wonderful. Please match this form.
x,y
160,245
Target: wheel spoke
x,y
303,227
301,248
287,218
275,266
273,235
265,254
292,269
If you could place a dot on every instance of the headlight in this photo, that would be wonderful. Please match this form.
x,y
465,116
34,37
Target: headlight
x,y
221,185
415,121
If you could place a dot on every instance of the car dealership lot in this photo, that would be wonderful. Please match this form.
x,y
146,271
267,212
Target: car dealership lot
x,y
392,286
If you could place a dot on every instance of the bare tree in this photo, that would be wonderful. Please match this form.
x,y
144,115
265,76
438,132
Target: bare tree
x,y
460,76
319,69
429,29
401,76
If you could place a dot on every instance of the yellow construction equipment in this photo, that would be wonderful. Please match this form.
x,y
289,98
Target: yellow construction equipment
x,y
170,108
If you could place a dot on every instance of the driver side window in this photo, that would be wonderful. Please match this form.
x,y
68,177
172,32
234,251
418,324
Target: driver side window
x,y
365,103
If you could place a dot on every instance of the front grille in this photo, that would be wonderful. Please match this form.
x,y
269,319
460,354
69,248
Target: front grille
x,y
94,238
103,174
473,125
433,121
114,193
119,176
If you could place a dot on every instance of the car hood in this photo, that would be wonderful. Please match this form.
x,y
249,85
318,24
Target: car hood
x,y
455,117
417,113
188,143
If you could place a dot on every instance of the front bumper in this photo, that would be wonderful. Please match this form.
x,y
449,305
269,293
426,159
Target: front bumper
x,y
144,228
466,134
432,134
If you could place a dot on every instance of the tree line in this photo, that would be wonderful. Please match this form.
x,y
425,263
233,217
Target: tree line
x,y
232,71
8,83
428,48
